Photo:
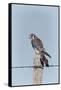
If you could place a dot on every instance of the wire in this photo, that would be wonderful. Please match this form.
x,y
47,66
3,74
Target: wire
x,y
35,66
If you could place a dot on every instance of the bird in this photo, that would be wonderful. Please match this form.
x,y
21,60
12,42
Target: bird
x,y
44,60
39,48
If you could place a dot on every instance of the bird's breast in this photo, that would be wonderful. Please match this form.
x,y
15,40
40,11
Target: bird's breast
x,y
37,51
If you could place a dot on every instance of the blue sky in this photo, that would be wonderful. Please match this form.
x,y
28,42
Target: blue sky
x,y
42,21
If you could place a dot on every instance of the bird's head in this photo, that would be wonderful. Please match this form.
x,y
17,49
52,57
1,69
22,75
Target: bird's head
x,y
32,36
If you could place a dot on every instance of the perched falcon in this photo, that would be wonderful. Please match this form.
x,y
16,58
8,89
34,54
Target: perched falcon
x,y
38,47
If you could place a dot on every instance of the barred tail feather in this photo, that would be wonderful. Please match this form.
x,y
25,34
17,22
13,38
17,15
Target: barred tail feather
x,y
46,54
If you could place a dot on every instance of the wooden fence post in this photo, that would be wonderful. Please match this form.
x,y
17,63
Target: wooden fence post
x,y
37,72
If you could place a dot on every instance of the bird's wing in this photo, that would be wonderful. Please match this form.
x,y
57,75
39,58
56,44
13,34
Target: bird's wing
x,y
41,48
39,44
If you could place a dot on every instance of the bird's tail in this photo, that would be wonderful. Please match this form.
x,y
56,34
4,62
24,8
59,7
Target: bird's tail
x,y
44,60
46,54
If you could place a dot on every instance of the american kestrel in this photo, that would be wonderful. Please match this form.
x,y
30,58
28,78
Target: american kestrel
x,y
39,48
